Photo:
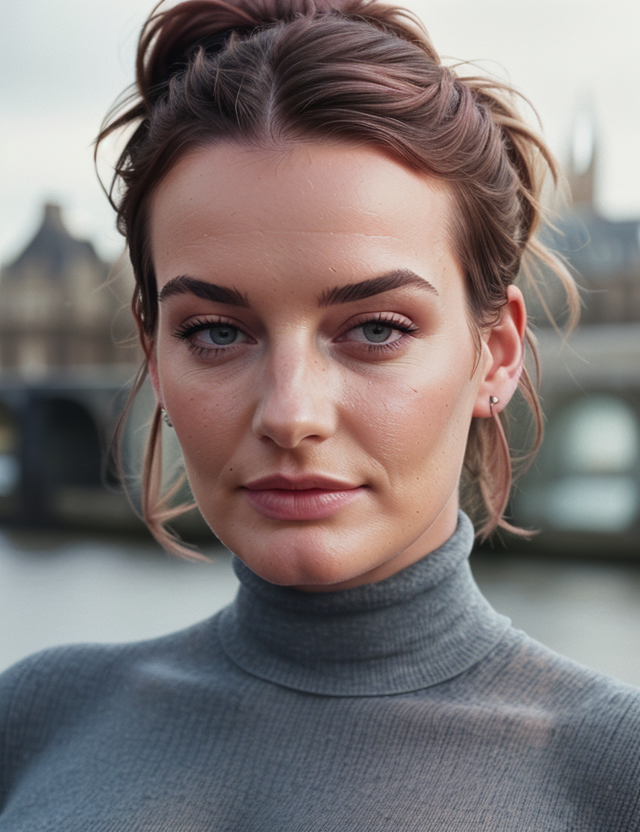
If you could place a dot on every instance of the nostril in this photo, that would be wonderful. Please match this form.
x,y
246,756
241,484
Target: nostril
x,y
289,426
294,403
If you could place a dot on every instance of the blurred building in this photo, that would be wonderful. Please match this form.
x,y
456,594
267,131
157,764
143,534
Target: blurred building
x,y
605,253
62,306
67,353
584,488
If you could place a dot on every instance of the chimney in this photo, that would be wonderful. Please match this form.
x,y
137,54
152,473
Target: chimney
x,y
53,216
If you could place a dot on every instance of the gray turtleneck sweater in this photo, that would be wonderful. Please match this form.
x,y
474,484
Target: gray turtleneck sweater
x,y
406,705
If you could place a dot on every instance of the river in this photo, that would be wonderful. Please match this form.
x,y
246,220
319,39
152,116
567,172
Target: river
x,y
61,588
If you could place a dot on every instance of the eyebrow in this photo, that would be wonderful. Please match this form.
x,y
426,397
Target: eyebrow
x,y
374,286
183,284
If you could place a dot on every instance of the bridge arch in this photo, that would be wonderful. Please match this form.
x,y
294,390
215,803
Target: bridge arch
x,y
587,476
72,445
9,460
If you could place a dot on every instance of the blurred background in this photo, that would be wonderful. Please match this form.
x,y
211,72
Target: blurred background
x,y
76,564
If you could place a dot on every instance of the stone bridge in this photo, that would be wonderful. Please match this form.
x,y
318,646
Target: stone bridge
x,y
583,490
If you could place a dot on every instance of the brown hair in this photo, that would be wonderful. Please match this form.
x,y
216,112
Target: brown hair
x,y
265,72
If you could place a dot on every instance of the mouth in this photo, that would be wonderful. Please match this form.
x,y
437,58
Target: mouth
x,y
311,497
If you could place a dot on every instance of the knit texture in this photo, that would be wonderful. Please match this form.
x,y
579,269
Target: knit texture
x,y
407,705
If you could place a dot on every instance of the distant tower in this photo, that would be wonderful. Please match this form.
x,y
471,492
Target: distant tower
x,y
583,155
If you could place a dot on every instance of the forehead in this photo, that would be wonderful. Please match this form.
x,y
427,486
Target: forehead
x,y
330,206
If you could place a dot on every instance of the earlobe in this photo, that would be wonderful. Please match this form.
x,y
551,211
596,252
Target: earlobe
x,y
505,348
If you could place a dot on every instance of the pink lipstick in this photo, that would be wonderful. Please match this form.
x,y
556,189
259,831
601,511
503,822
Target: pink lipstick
x,y
310,497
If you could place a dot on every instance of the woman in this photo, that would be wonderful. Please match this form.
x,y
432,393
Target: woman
x,y
325,225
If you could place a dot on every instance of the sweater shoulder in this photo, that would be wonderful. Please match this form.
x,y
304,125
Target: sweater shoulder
x,y
569,680
581,726
52,695
75,673
590,720
524,669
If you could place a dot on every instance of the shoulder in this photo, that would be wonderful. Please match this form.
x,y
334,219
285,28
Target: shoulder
x,y
54,696
72,676
60,677
564,681
589,722
41,697
528,671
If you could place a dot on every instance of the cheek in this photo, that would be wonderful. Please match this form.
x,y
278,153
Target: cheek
x,y
419,418
209,419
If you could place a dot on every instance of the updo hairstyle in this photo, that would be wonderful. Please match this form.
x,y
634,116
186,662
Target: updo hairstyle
x,y
265,73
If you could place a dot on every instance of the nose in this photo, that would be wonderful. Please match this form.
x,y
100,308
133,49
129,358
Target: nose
x,y
296,402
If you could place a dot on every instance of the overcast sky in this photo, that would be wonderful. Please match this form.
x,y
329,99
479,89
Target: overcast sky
x,y
62,64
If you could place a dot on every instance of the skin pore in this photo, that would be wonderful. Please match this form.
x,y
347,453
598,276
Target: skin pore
x,y
323,424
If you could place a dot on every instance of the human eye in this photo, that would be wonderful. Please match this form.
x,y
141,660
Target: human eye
x,y
379,333
209,338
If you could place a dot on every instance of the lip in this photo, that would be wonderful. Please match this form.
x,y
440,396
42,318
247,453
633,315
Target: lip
x,y
309,497
301,483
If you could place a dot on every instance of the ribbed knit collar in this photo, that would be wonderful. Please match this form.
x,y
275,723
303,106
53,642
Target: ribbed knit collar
x,y
421,626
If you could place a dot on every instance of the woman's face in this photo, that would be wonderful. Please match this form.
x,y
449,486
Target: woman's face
x,y
315,356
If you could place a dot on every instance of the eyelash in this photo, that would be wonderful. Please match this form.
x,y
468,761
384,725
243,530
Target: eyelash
x,y
186,332
391,321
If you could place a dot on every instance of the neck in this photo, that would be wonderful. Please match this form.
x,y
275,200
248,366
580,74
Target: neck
x,y
417,628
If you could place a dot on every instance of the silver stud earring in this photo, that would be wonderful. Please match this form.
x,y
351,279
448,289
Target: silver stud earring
x,y
166,418
493,400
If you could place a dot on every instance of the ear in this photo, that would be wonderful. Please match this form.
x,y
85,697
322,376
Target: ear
x,y
505,348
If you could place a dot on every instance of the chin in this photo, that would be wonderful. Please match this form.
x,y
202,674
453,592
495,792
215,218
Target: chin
x,y
298,557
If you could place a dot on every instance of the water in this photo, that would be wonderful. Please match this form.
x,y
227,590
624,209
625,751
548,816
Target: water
x,y
62,589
